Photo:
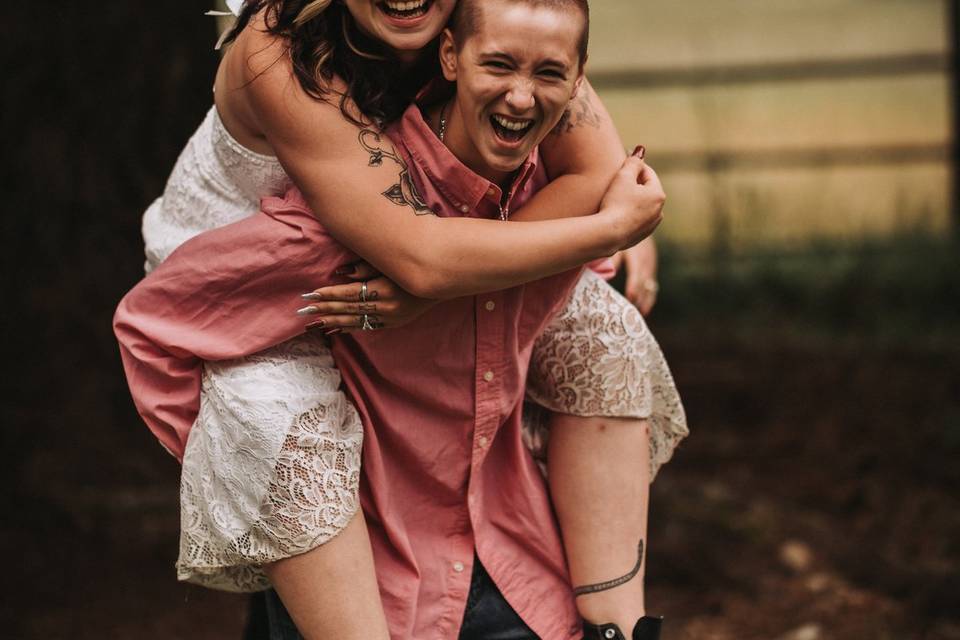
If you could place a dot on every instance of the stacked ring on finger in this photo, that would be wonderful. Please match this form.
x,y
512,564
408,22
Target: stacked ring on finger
x,y
363,291
366,326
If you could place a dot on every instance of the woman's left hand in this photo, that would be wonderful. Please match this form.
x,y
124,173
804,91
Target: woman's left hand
x,y
344,308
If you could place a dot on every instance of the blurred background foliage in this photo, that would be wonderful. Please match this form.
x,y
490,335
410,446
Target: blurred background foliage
x,y
809,309
778,122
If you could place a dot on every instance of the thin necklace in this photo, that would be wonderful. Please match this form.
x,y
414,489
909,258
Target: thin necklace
x,y
443,121
504,211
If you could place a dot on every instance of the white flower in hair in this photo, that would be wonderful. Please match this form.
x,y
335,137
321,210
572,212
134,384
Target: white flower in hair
x,y
235,6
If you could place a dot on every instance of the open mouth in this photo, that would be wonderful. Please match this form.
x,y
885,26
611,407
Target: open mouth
x,y
405,10
510,130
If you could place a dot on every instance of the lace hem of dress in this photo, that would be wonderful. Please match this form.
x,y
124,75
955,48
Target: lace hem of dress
x,y
253,492
598,358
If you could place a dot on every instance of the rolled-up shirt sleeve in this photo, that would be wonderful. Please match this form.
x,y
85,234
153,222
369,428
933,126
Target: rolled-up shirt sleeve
x,y
224,294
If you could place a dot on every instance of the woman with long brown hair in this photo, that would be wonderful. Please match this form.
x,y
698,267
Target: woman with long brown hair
x,y
288,63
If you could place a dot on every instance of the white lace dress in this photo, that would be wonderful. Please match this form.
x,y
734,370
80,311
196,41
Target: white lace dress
x,y
272,464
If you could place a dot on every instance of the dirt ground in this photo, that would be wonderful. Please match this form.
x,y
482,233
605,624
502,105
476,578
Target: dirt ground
x,y
814,499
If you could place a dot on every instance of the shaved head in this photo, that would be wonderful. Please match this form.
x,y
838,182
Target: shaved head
x,y
467,18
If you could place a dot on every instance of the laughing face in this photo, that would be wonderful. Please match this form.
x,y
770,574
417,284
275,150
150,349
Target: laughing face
x,y
403,25
515,78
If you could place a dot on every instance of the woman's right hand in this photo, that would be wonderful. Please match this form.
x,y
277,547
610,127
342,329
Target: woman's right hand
x,y
343,309
634,200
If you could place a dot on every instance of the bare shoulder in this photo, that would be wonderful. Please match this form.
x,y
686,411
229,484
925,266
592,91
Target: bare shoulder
x,y
584,111
585,142
250,56
332,158
274,100
257,53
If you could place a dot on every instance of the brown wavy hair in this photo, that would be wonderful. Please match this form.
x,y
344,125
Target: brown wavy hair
x,y
323,41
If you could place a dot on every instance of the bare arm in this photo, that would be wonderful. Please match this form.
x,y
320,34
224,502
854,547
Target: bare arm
x,y
582,155
431,257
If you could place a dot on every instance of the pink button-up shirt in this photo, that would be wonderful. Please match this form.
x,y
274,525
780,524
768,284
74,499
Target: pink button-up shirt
x,y
444,469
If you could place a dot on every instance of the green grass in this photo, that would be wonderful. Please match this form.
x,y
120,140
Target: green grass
x,y
900,292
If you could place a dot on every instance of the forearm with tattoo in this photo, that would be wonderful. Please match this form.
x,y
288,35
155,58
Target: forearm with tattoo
x,y
403,192
616,582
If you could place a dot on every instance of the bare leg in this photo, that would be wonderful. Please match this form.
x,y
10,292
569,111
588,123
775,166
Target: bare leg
x,y
599,477
331,591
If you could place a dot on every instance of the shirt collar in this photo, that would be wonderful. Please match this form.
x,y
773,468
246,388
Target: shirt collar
x,y
463,188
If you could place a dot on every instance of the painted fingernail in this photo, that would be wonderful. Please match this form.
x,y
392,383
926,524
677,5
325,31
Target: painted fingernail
x,y
345,269
308,311
313,297
317,324
640,151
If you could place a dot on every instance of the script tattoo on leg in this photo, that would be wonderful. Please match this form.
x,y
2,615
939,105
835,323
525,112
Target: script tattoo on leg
x,y
616,582
403,192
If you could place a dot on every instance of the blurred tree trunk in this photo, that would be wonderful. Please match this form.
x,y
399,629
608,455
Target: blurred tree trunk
x,y
953,24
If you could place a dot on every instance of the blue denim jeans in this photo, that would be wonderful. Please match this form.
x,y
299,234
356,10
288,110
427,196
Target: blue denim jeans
x,y
268,619
487,616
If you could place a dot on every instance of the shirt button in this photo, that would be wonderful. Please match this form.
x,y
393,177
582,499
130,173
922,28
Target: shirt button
x,y
458,567
488,376
464,208
482,441
609,633
490,306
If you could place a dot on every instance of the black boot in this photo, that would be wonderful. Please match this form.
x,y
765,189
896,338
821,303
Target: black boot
x,y
648,628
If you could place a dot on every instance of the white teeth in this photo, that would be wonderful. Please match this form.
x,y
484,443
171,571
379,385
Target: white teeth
x,y
405,6
511,124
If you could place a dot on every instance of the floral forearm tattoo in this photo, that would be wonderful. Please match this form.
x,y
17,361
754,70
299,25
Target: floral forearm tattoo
x,y
403,192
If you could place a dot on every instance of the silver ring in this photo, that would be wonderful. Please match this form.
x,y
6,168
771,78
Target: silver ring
x,y
366,323
363,291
